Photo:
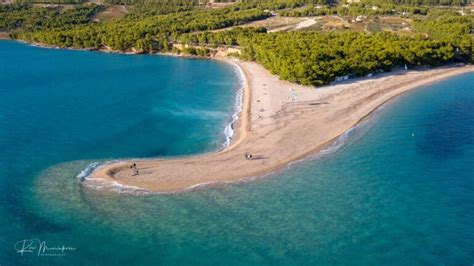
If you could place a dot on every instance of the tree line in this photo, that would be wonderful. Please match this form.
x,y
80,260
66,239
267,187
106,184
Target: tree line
x,y
355,9
150,34
29,18
308,57
317,58
420,2
313,58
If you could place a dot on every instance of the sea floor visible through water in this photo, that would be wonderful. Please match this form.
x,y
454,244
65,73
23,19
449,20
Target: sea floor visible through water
x,y
395,190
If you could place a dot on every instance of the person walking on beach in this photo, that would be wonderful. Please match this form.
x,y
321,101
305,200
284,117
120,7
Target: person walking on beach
x,y
135,172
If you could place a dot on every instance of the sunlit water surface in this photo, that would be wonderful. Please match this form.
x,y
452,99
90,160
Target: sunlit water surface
x,y
399,190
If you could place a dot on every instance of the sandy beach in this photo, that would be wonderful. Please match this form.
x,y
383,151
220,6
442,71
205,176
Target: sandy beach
x,y
280,122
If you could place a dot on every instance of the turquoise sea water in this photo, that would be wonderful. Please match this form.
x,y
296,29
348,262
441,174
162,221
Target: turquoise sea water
x,y
398,191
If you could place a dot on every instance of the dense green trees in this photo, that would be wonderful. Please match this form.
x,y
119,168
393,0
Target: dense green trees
x,y
318,58
355,9
143,34
154,2
419,2
282,4
154,9
307,57
35,18
235,36
313,58
50,1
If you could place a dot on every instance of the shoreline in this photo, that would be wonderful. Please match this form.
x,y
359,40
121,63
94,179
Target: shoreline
x,y
281,125
107,50
4,36
240,95
239,99
112,174
241,106
230,129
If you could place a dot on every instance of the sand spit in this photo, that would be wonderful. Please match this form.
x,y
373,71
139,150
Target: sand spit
x,y
280,122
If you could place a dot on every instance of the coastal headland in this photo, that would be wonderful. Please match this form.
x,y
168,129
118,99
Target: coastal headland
x,y
280,122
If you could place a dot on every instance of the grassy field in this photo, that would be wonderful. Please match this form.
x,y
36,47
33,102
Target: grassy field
x,y
334,23
110,13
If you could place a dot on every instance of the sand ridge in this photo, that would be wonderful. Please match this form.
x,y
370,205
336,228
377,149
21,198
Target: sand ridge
x,y
280,122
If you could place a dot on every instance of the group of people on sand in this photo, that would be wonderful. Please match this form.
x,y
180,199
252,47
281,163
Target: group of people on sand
x,y
135,171
133,167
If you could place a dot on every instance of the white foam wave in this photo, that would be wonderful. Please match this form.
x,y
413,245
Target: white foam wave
x,y
229,129
106,185
86,172
113,186
339,142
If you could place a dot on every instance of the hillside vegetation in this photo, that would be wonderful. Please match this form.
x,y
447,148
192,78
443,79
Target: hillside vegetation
x,y
437,35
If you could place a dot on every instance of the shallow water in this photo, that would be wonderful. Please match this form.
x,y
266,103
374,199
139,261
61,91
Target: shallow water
x,y
58,106
399,191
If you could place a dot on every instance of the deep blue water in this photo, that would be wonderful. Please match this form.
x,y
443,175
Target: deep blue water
x,y
399,191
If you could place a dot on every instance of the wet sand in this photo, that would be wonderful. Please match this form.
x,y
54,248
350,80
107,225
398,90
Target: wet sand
x,y
280,122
